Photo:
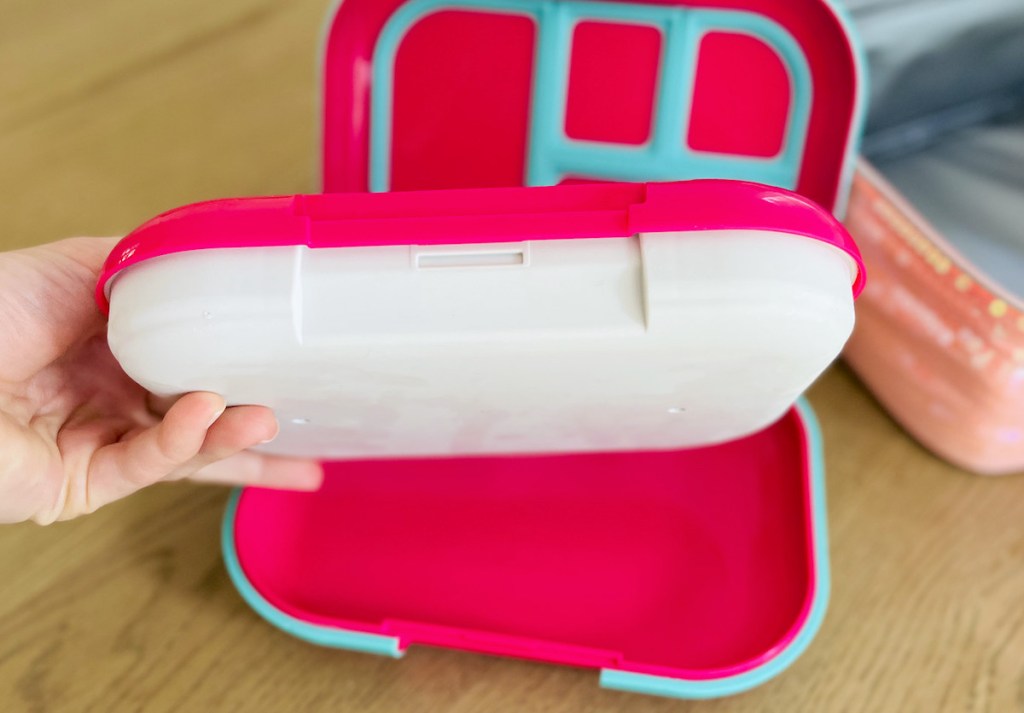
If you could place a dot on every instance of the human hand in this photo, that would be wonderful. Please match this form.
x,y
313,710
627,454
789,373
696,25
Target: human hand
x,y
75,432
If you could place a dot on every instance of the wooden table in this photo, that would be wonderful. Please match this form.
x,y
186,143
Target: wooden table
x,y
112,110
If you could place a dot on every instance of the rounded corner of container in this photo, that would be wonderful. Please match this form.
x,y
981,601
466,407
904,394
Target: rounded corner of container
x,y
319,634
776,662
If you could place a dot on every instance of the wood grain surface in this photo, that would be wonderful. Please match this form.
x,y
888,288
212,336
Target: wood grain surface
x,y
113,110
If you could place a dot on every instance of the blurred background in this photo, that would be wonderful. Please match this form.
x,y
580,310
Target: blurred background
x,y
112,111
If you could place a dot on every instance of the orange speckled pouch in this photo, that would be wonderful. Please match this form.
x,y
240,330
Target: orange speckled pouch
x,y
940,345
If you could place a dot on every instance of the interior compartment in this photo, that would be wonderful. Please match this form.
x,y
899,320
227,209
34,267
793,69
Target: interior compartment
x,y
698,563
549,91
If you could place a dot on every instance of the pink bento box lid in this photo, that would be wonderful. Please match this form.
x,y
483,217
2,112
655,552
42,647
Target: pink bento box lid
x,y
466,216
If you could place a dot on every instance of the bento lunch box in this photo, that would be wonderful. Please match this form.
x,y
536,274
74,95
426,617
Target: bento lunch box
x,y
430,94
617,477
558,423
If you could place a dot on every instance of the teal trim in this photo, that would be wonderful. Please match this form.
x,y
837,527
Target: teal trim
x,y
675,85
314,633
715,688
551,155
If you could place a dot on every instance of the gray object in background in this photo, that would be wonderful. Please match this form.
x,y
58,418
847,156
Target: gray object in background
x,y
946,120
970,185
930,56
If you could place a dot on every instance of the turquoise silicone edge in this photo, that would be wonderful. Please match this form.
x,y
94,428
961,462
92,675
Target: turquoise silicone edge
x,y
551,156
314,633
719,687
621,680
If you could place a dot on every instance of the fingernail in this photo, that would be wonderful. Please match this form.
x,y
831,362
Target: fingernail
x,y
277,430
215,417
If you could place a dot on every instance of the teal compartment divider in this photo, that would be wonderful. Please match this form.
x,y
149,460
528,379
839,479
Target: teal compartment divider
x,y
552,156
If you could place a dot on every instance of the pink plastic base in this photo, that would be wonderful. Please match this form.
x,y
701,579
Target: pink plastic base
x,y
694,564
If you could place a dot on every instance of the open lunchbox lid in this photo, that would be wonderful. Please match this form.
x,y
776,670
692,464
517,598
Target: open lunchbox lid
x,y
422,94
